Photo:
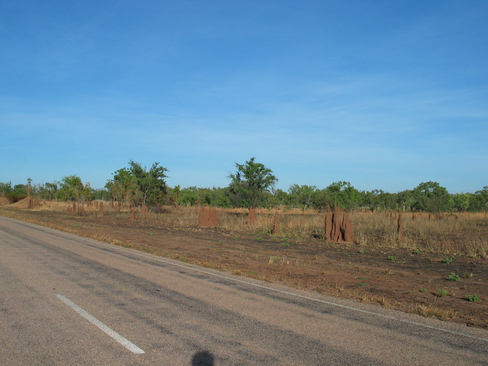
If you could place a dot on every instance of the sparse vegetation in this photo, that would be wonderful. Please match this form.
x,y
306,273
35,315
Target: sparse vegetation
x,y
454,277
473,298
443,292
297,254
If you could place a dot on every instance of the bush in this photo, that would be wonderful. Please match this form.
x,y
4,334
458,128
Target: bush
x,y
15,196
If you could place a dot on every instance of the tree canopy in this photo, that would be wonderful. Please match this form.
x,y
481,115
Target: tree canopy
x,y
251,184
139,186
430,196
72,188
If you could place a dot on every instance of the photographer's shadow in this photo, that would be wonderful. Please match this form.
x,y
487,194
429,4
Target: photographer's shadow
x,y
202,358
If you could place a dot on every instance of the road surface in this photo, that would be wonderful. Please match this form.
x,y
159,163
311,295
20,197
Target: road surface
x,y
69,300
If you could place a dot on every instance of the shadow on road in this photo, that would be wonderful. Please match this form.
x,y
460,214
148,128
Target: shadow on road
x,y
202,358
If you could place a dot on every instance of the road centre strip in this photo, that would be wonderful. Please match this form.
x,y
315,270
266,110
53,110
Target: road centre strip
x,y
123,341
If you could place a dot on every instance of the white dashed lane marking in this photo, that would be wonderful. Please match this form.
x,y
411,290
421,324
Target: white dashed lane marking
x,y
123,341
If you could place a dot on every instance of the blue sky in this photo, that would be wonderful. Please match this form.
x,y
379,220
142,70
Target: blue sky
x,y
382,94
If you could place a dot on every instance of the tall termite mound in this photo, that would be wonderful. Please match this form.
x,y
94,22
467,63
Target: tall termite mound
x,y
338,226
208,217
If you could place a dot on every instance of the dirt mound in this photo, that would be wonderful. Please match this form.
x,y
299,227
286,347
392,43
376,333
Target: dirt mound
x,y
24,203
4,201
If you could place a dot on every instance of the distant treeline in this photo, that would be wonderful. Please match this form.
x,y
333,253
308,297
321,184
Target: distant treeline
x,y
251,186
427,197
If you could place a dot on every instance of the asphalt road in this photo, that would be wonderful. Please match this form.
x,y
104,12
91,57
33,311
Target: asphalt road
x,y
68,300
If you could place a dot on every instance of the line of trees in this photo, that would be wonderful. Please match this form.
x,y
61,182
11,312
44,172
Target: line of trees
x,y
138,185
251,185
349,198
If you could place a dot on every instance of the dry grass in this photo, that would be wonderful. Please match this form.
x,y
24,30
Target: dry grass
x,y
460,234
298,255
430,310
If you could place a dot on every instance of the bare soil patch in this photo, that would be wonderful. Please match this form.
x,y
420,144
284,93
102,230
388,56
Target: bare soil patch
x,y
427,283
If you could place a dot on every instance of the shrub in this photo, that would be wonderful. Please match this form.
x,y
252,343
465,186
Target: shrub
x,y
454,277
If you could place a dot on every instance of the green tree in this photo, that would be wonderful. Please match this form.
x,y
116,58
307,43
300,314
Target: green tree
x,y
372,199
251,184
406,200
461,201
19,192
100,194
432,197
280,198
48,191
479,201
342,193
151,183
5,188
138,185
218,197
123,186
379,200
177,193
15,193
388,201
215,197
188,196
72,188
303,196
